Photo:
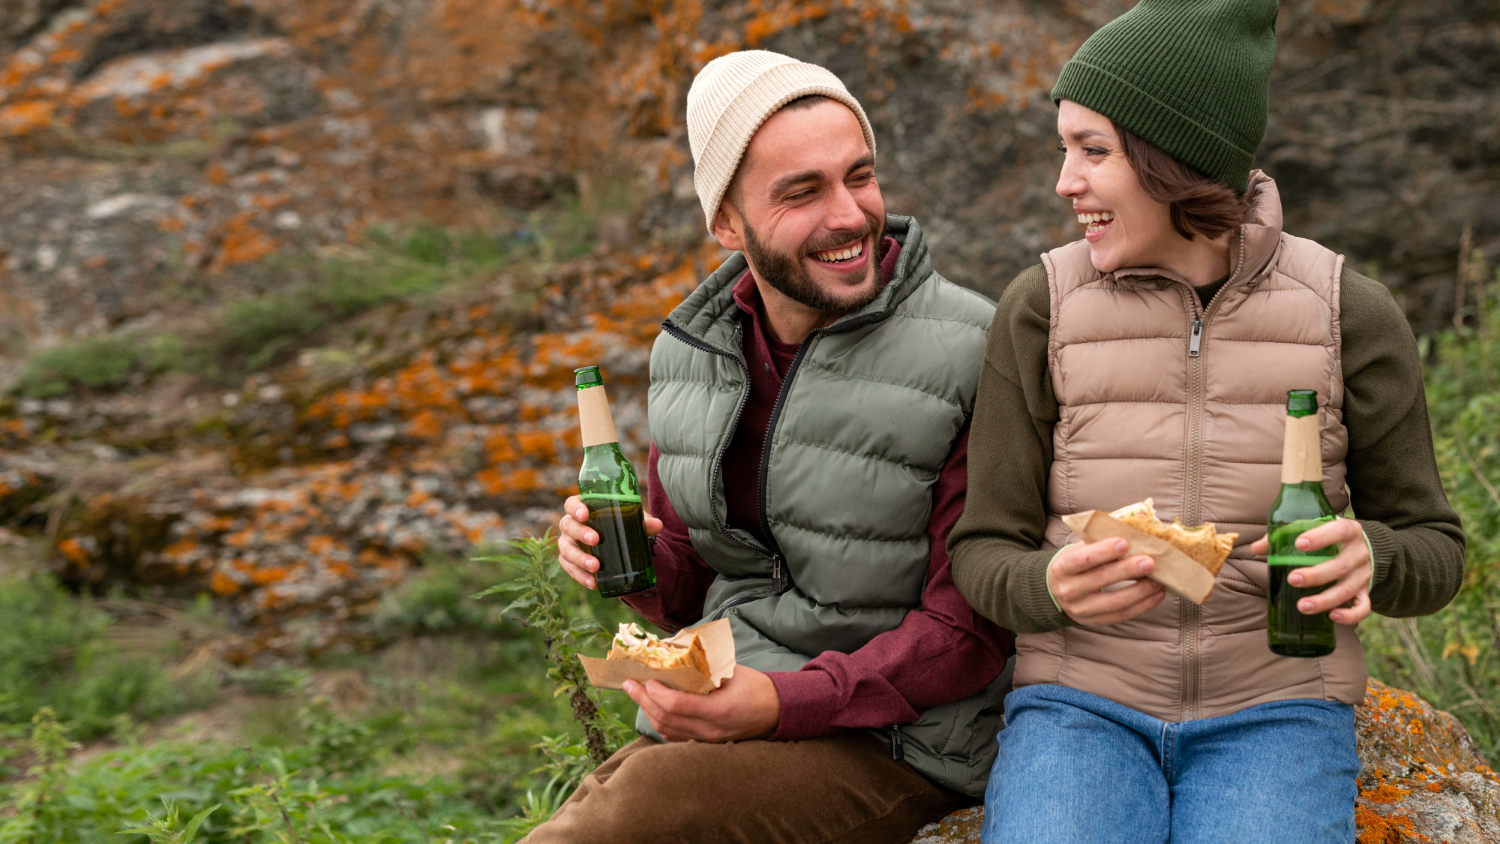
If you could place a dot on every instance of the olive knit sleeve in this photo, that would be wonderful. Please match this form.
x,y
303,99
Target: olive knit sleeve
x,y
999,562
1416,540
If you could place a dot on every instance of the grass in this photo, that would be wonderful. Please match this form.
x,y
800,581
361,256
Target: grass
x,y
56,651
1452,658
450,732
249,334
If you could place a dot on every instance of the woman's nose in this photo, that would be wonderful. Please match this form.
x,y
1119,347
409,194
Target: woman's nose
x,y
1069,183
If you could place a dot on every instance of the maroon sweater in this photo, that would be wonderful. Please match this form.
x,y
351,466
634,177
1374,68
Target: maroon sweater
x,y
940,653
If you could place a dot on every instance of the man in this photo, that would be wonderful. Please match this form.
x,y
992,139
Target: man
x,y
809,406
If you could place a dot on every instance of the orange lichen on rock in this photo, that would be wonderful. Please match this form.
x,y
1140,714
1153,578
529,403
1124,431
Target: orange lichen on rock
x,y
23,118
1408,750
72,548
242,243
223,585
1385,793
1382,829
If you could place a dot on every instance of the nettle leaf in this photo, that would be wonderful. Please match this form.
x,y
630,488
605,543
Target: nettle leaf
x,y
191,830
522,603
587,625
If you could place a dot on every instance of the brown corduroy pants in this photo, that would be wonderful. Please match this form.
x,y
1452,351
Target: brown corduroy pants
x,y
838,790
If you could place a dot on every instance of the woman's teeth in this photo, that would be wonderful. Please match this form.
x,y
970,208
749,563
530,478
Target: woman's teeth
x,y
839,256
1096,221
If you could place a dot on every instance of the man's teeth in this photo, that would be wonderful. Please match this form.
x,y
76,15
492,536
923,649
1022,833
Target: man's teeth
x,y
1092,219
840,255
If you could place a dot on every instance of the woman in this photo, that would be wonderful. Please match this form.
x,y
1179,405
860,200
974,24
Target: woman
x,y
1152,358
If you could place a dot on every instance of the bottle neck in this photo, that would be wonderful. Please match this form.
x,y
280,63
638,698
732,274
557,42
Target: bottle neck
x,y
1301,453
598,426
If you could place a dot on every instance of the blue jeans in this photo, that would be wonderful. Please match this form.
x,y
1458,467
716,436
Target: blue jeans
x,y
1075,768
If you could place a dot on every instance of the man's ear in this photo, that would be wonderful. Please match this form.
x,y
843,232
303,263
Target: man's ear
x,y
728,226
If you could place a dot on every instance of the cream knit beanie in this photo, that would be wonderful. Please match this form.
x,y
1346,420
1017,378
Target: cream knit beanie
x,y
732,96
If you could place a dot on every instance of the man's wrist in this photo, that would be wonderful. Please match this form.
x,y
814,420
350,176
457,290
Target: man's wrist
x,y
806,705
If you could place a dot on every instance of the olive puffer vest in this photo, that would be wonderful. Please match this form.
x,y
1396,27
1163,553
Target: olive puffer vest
x,y
1161,397
869,410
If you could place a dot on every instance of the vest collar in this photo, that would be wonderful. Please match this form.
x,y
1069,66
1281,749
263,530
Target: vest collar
x,y
1254,246
707,314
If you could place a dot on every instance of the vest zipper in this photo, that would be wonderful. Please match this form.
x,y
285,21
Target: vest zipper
x,y
897,751
781,579
722,522
1190,617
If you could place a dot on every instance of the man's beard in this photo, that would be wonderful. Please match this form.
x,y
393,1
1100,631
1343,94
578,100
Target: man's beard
x,y
789,276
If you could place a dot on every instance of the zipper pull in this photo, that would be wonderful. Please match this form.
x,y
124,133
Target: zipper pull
x,y
778,577
1195,344
897,751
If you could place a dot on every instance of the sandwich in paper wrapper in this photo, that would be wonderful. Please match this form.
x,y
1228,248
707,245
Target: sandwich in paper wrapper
x,y
1187,559
695,660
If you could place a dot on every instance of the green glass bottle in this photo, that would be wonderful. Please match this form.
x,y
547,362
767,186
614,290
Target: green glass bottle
x,y
608,486
1299,507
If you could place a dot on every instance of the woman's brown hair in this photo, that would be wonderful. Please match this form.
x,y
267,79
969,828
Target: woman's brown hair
x,y
1199,205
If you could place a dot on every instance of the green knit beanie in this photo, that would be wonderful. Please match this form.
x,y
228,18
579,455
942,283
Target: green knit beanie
x,y
1188,76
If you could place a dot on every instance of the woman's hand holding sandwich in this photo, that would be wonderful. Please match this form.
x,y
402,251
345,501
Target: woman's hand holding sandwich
x,y
1349,572
1080,578
745,707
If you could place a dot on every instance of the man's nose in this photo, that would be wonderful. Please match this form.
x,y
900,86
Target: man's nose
x,y
844,212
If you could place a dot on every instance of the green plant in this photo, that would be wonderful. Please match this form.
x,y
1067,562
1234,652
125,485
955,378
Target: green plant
x,y
435,601
104,361
34,820
567,628
538,806
55,651
336,744
1452,658
165,829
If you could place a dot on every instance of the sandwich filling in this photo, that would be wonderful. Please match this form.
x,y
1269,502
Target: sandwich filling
x,y
1203,543
631,642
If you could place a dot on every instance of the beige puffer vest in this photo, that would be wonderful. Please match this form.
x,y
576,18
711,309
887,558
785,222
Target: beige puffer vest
x,y
1160,397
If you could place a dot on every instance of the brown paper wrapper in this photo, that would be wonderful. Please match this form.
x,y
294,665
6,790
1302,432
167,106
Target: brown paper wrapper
x,y
1179,573
718,645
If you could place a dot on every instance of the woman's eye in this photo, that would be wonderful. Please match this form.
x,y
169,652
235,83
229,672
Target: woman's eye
x,y
1062,149
1093,151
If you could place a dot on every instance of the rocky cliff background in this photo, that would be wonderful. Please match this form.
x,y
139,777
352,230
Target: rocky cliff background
x,y
153,155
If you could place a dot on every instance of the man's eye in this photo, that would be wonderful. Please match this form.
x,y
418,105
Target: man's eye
x,y
799,195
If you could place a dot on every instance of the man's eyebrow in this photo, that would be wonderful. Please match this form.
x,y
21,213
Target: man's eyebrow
x,y
785,183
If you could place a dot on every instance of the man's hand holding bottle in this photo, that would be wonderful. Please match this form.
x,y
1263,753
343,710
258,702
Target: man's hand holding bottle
x,y
574,534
